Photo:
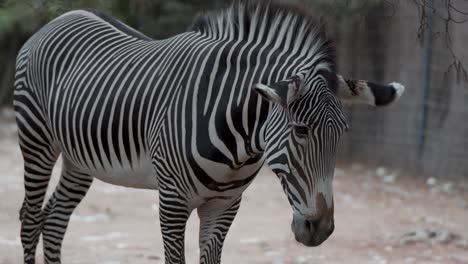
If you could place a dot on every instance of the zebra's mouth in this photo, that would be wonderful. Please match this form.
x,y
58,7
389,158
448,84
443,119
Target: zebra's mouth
x,y
311,233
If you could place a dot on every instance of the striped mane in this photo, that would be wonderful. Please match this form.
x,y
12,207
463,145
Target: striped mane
x,y
272,23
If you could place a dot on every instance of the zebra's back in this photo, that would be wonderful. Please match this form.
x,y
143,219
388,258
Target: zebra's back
x,y
94,82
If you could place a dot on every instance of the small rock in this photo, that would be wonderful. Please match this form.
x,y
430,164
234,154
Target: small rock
x,y
256,241
389,178
252,240
90,218
153,257
378,259
381,172
303,260
396,190
277,257
121,245
431,182
463,244
9,242
420,235
444,237
447,187
428,236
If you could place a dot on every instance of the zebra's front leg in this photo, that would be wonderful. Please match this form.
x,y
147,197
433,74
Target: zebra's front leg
x,y
70,190
216,216
173,214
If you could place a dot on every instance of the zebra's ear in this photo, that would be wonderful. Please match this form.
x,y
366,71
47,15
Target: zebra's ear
x,y
363,92
281,92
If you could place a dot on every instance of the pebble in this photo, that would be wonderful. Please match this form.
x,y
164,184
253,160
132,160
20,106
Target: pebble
x,y
154,257
431,182
381,172
398,191
256,241
275,256
447,187
444,237
90,218
9,242
463,244
303,260
121,245
389,178
377,259
423,235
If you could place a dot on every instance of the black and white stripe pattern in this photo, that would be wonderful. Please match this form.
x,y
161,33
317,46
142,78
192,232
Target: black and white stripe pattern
x,y
193,116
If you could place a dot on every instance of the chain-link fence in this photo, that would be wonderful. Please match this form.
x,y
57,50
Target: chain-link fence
x,y
379,43
424,130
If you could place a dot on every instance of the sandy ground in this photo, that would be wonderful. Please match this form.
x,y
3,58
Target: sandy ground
x,y
374,208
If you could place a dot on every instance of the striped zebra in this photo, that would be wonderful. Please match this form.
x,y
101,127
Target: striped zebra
x,y
194,116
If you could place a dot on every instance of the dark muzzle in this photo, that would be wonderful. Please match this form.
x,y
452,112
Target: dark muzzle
x,y
312,233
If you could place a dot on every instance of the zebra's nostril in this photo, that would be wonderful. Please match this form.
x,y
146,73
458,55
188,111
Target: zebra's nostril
x,y
316,225
311,226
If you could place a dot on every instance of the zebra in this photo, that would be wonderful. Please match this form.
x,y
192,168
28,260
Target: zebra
x,y
194,116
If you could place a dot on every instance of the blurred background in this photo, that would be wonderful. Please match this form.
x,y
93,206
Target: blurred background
x,y
401,181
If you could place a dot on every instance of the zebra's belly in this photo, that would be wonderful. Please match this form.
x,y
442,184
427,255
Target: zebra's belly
x,y
142,179
138,174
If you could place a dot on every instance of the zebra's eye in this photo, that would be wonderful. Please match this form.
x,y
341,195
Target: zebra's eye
x,y
301,130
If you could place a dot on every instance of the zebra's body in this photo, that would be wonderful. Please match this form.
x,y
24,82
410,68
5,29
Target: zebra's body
x,y
178,115
134,105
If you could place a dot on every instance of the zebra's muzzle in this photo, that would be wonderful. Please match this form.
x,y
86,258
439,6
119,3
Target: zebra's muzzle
x,y
311,233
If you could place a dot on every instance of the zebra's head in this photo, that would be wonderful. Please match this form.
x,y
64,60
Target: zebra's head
x,y
305,124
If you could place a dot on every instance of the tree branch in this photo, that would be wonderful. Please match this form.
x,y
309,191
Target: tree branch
x,y
450,14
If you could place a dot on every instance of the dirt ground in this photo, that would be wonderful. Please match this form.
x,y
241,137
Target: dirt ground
x,y
374,208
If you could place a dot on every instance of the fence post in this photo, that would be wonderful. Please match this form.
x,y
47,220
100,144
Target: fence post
x,y
426,75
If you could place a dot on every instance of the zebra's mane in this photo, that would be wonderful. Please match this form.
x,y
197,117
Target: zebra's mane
x,y
278,22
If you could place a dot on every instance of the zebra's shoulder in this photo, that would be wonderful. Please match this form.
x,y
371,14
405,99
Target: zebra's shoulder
x,y
117,24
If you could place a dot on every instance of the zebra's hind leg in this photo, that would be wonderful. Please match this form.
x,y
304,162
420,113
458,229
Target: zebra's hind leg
x,y
72,187
216,217
39,155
